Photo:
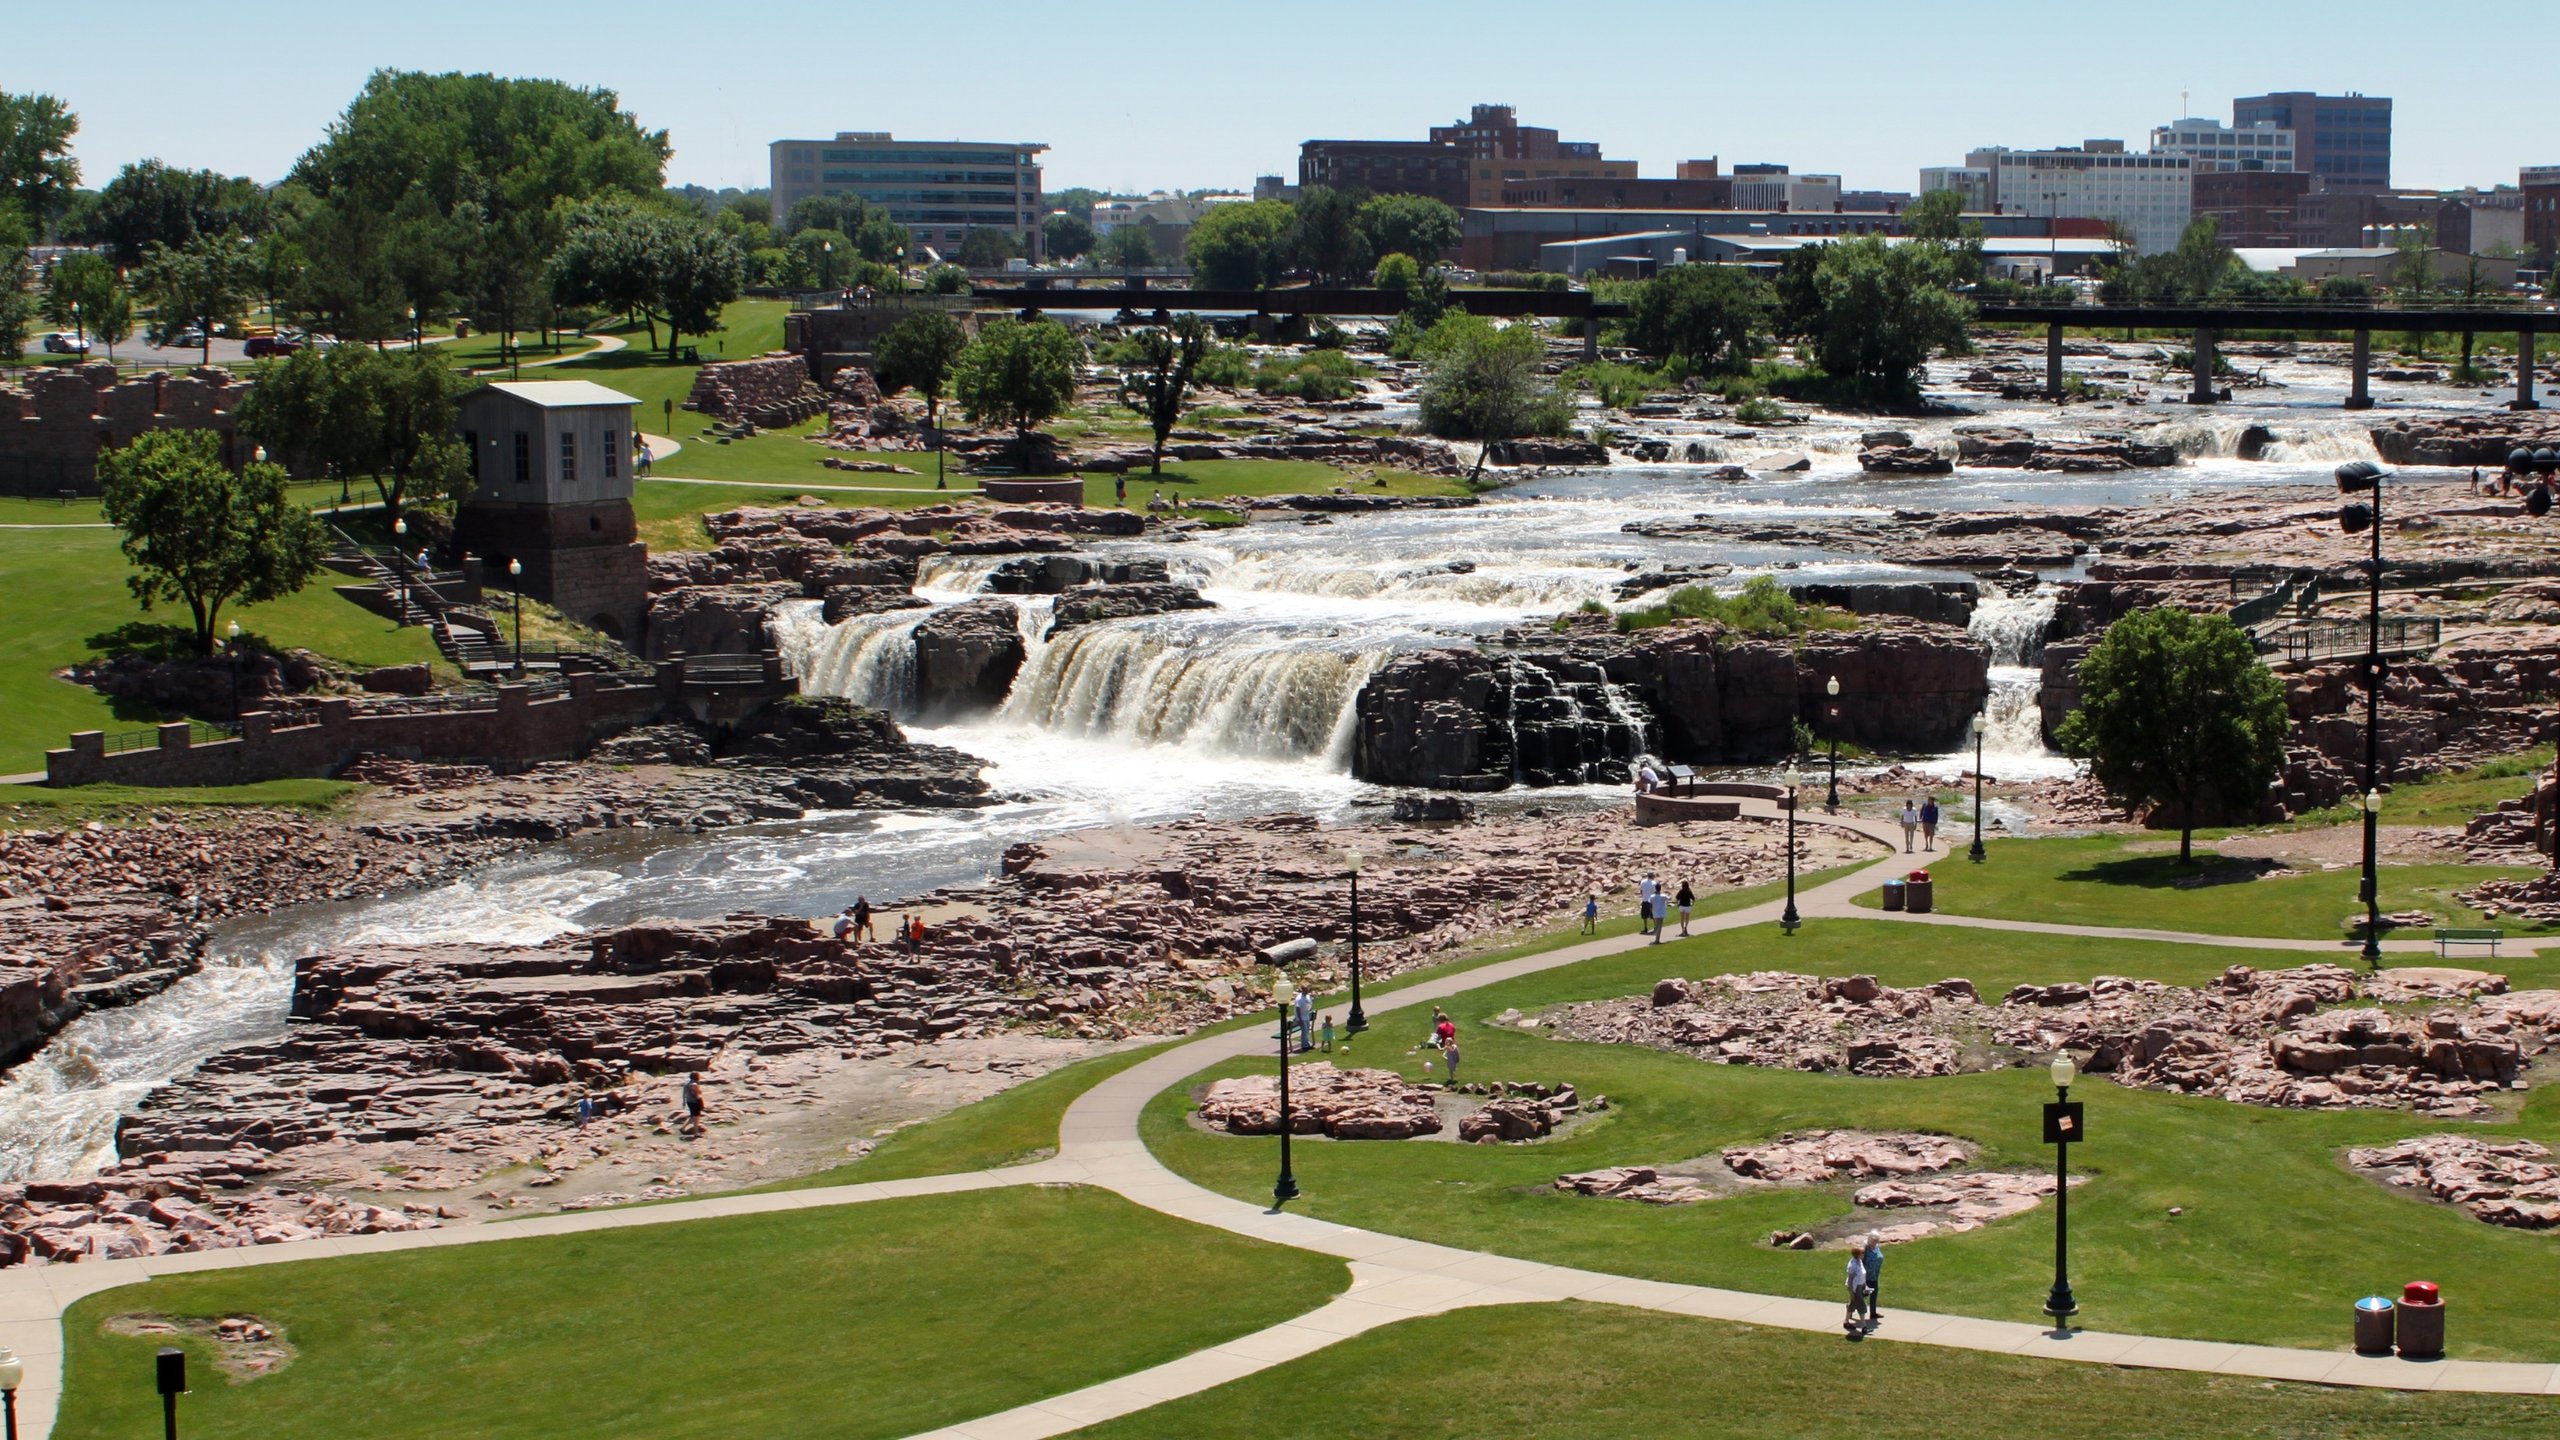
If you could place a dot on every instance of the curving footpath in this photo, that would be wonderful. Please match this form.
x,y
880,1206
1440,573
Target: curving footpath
x,y
1393,1278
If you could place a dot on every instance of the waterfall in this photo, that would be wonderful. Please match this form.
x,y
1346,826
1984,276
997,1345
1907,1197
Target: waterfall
x,y
1162,682
868,659
2012,627
2287,439
955,576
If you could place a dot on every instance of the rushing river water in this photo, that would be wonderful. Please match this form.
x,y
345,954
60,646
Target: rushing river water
x,y
1244,709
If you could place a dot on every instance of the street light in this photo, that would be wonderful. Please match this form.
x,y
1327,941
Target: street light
x,y
1359,1018
515,577
2356,517
413,327
827,265
13,1372
1790,920
233,650
1981,723
1831,687
2062,1126
1282,992
400,565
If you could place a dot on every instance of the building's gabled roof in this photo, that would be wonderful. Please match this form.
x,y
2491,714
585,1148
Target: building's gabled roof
x,y
561,394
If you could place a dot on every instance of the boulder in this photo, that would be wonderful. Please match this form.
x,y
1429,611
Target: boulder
x,y
1904,460
1547,450
411,679
1085,604
967,656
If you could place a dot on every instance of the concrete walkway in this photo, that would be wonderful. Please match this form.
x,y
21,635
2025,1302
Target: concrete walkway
x,y
1393,1278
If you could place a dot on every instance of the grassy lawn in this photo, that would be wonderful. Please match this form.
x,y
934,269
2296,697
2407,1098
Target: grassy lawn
x,y
2256,1254
2448,799
853,1321
35,807
2131,880
81,576
1607,1370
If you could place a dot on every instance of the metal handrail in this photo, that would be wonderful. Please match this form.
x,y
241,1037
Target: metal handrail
x,y
2330,640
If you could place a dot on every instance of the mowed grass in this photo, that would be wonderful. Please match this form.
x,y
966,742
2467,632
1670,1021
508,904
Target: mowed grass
x,y
2134,881
2258,1253
37,807
1565,1371
2452,798
853,1321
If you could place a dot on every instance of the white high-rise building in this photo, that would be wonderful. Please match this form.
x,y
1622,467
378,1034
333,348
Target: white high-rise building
x,y
2153,196
2213,145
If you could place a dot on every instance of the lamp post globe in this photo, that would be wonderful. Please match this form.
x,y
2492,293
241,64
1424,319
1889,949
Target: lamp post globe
x,y
1358,1019
233,650
1831,724
2060,1304
1789,920
13,1373
1286,1190
515,577
1981,724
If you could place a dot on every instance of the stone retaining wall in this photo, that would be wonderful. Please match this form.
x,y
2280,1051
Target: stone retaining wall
x,y
770,390
52,429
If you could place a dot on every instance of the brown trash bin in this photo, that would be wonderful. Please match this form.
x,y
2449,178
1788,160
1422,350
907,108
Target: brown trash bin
x,y
1893,897
2421,1322
1917,892
2373,1325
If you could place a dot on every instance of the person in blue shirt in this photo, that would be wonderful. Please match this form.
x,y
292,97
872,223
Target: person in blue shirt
x,y
1873,1259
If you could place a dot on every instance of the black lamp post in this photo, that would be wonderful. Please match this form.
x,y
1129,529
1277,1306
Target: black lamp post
x,y
1980,724
2356,517
827,265
515,577
173,1383
2545,463
1282,992
1358,1020
1831,687
13,1372
233,651
2062,1125
400,564
1795,781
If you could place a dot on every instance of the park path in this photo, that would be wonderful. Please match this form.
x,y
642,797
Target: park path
x,y
1392,1278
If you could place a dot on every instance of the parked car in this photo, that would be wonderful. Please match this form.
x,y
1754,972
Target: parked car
x,y
63,342
261,346
187,339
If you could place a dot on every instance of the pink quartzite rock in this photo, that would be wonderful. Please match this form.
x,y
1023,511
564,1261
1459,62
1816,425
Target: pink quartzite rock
x,y
1345,1104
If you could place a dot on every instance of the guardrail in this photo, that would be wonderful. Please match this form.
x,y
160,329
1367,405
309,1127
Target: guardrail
x,y
2337,639
199,732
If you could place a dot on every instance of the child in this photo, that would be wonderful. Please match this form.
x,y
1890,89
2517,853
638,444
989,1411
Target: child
x,y
1591,914
1328,1034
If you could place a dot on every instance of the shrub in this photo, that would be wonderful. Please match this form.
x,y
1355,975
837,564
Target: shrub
x,y
1228,367
1760,410
1761,607
1316,375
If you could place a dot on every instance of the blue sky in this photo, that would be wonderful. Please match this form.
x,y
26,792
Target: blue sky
x,y
1141,95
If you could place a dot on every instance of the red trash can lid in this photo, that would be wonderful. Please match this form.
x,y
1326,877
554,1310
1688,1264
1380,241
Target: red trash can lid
x,y
2419,1292
1920,875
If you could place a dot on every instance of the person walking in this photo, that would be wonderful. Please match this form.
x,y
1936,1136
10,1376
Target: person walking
x,y
1449,1058
1929,823
1591,913
1687,898
1910,823
586,1110
863,929
1644,902
1661,907
693,1101
1120,489
1328,1034
1857,1290
1873,1258
1306,1004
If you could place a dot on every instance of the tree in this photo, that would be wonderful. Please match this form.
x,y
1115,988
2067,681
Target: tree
x,y
1395,272
879,239
15,238
150,203
819,256
987,248
1018,373
1414,225
1427,298
1326,236
1710,316
1487,384
917,354
2178,716
1241,246
1795,297
354,411
1937,218
198,534
199,285
608,258
946,280
2199,264
1159,385
80,288
1076,200
1884,310
1127,247
698,271
1066,236
36,168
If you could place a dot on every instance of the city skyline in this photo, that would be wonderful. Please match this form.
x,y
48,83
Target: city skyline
x,y
1095,102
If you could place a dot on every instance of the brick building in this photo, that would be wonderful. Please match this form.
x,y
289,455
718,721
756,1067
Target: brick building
x,y
2344,141
2251,208
53,425
551,487
1465,164
2541,187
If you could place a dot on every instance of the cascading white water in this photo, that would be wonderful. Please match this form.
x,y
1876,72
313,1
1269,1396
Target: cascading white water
x,y
2218,435
1159,682
868,659
2012,628
956,576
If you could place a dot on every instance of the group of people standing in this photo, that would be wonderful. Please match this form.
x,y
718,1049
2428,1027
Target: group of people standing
x,y
855,924
1920,817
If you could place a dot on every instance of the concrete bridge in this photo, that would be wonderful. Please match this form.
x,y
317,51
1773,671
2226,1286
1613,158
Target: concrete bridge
x,y
2208,321
1309,300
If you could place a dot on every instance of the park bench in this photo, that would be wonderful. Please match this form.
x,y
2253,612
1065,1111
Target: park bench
x,y
2447,938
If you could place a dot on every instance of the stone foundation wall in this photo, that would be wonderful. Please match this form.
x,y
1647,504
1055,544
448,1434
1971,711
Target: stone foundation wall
x,y
769,390
52,427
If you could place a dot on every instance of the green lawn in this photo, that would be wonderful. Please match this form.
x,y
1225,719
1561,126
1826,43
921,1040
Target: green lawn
x,y
34,806
852,1321
2132,880
1549,1372
2257,1254
80,575
2448,799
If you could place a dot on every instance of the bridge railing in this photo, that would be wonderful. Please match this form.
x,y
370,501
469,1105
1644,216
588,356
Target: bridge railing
x,y
2335,639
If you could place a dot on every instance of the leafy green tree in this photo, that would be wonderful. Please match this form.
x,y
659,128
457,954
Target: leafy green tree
x,y
2178,717
987,248
843,214
1018,373
917,354
15,308
1414,225
1066,236
350,410
199,285
608,258
1395,272
150,203
1487,384
2345,288
2413,262
1795,297
1326,236
1241,246
2200,263
344,287
1712,317
820,257
1127,247
946,280
879,239
36,167
1076,200
1885,310
754,207
699,271
1937,218
1427,298
79,289
1158,386
198,534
